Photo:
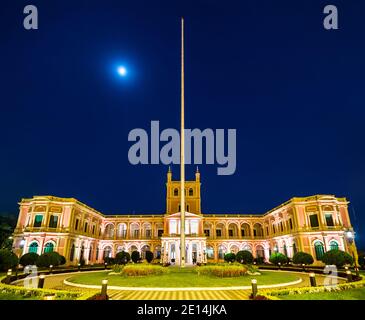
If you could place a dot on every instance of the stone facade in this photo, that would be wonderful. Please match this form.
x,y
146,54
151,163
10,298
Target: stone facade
x,y
312,224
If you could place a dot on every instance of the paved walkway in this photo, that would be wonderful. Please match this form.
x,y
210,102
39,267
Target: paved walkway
x,y
56,282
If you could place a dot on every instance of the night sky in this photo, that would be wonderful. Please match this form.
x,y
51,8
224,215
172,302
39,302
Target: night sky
x,y
293,90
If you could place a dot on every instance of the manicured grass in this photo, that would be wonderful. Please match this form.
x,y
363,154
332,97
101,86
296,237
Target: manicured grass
x,y
182,278
353,294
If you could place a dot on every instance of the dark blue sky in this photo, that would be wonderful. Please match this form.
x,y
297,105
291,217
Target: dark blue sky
x,y
293,90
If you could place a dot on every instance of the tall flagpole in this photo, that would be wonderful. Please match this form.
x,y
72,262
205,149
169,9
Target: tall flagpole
x,y
182,156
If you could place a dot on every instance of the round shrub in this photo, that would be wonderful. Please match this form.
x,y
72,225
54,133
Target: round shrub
x,y
337,257
303,258
259,260
8,260
149,256
277,258
135,256
29,259
62,260
244,257
122,257
230,257
49,258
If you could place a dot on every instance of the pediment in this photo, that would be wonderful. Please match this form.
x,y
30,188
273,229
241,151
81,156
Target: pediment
x,y
187,215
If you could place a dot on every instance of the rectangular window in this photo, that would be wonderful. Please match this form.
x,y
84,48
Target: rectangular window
x,y
242,232
314,220
281,226
219,232
148,233
290,224
76,224
207,232
230,233
159,233
273,228
38,221
135,234
267,230
329,220
53,220
85,227
93,229
254,232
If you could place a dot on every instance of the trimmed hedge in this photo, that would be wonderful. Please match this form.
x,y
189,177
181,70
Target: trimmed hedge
x,y
230,257
28,259
275,294
229,270
337,257
143,269
41,293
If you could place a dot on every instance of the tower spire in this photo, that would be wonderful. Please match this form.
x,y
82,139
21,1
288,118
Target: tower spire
x,y
182,156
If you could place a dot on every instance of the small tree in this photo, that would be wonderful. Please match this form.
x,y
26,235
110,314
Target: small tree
x,y
337,257
135,256
277,258
244,257
29,259
8,260
230,257
109,260
361,260
149,256
303,258
49,258
122,257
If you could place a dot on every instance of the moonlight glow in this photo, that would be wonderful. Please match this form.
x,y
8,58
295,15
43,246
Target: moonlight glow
x,y
122,71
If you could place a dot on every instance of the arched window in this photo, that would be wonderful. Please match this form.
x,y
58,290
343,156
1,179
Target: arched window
x,y
221,252
48,247
107,252
333,245
176,192
33,247
191,192
319,249
294,248
285,250
72,252
90,252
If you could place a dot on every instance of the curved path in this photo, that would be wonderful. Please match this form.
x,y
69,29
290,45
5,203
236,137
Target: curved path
x,y
60,282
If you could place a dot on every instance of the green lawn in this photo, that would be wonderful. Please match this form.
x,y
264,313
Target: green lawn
x,y
353,294
181,278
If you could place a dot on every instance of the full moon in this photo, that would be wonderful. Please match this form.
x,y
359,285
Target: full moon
x,y
122,71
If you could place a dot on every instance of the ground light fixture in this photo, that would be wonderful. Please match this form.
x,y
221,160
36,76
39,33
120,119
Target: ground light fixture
x,y
349,276
254,288
312,278
104,288
41,281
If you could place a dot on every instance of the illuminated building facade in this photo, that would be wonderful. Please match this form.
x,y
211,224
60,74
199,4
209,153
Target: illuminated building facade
x,y
312,224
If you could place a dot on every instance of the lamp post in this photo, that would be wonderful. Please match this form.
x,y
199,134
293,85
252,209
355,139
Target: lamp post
x,y
254,288
350,237
349,276
79,266
41,281
51,269
8,277
104,288
105,265
312,278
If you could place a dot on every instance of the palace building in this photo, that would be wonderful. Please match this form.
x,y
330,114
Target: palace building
x,y
311,224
